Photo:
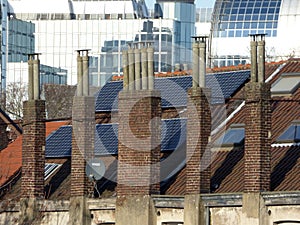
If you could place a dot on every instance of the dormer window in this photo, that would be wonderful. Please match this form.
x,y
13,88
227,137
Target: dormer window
x,y
291,134
287,84
235,135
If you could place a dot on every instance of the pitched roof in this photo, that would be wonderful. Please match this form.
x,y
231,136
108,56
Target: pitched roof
x,y
173,89
11,157
227,164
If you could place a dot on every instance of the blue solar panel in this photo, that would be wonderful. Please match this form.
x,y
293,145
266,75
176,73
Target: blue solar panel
x,y
106,139
59,143
173,133
107,97
174,89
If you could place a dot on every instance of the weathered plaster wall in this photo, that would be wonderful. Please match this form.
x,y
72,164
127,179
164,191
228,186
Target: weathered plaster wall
x,y
288,213
226,215
169,215
282,209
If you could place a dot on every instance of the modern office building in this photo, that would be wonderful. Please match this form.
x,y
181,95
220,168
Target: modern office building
x,y
234,20
104,27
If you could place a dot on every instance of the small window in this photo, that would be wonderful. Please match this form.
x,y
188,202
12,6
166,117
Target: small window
x,y
287,84
291,134
233,136
50,168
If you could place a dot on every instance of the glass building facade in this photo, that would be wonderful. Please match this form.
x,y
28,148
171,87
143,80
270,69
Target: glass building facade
x,y
240,18
234,20
105,27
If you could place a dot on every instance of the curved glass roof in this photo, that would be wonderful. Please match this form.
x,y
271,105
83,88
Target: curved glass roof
x,y
239,18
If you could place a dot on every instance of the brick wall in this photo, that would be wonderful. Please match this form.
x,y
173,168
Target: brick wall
x,y
33,154
83,125
257,141
139,142
198,132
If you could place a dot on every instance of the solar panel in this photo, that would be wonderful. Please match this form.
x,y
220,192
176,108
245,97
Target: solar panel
x,y
107,96
173,133
106,139
174,89
59,143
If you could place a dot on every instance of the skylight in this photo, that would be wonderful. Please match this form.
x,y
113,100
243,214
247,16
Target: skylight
x,y
50,168
233,136
291,134
287,84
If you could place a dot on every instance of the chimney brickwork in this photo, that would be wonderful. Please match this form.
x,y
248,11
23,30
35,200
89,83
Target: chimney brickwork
x,y
33,153
139,140
83,126
258,123
198,125
139,125
139,156
83,136
34,132
198,132
257,141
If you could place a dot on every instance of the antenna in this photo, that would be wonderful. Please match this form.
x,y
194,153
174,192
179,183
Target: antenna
x,y
95,169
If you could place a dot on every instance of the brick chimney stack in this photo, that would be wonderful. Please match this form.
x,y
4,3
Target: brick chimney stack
x,y
139,138
257,169
198,133
83,132
258,122
33,152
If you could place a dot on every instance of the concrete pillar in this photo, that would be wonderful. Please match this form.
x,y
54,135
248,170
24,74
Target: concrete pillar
x,y
33,76
253,51
85,74
30,77
195,64
202,62
131,69
194,210
36,79
79,75
137,68
150,56
125,70
254,211
261,58
144,69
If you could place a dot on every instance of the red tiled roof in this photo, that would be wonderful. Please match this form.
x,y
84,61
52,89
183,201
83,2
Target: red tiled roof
x,y
11,157
228,165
